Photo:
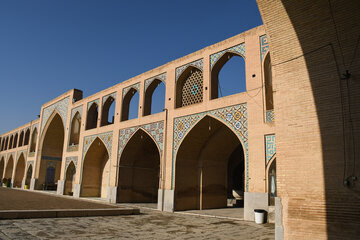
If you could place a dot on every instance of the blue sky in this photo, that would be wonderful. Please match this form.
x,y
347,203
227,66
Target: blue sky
x,y
48,47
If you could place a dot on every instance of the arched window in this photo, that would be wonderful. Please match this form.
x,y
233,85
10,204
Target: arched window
x,y
189,87
11,142
108,112
228,76
6,143
268,83
33,140
130,105
92,116
154,97
27,137
15,140
2,143
21,138
75,130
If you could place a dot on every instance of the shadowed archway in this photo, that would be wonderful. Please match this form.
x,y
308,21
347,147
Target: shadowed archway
x,y
28,175
2,165
19,171
96,168
69,179
9,168
139,170
51,153
209,166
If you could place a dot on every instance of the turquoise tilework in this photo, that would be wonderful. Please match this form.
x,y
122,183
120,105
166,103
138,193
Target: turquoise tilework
x,y
234,117
270,116
161,77
270,147
198,64
264,46
238,49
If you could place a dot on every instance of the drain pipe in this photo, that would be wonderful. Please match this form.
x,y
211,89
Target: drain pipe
x,y
164,160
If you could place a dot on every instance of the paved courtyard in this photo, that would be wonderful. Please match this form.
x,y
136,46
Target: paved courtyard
x,y
148,225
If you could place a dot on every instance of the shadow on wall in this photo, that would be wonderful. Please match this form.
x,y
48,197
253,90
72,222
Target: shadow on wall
x,y
323,189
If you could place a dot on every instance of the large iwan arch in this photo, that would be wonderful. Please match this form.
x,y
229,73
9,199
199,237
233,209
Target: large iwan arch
x,y
209,166
52,142
96,170
139,165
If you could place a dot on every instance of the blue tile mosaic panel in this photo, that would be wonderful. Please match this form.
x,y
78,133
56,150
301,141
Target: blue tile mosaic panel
x,y
234,117
238,49
113,95
68,160
156,130
198,64
106,138
264,46
161,77
91,102
270,147
135,86
270,116
61,106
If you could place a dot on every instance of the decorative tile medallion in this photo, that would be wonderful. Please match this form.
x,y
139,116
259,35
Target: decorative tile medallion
x,y
198,64
93,101
135,86
161,77
270,116
155,130
113,95
234,117
106,138
270,147
61,106
264,46
238,49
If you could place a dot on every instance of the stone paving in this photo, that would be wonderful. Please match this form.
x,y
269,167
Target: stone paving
x,y
148,225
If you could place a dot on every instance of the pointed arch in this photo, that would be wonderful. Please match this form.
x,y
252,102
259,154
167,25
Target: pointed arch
x,y
70,178
9,168
29,173
269,99
75,130
189,87
19,171
11,142
96,170
6,143
2,167
27,137
34,136
132,95
21,138
50,152
106,113
15,140
228,86
92,116
139,165
209,159
154,94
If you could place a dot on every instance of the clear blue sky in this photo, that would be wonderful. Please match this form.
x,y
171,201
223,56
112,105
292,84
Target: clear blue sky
x,y
48,47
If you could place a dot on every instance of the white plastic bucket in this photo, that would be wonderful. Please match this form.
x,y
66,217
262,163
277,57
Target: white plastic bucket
x,y
259,216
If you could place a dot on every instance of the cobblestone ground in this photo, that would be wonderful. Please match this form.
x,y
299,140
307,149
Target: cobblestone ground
x,y
148,225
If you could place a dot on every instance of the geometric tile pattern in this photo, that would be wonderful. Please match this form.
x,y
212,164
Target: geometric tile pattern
x,y
106,139
238,49
73,159
198,64
192,88
161,77
234,117
75,110
61,106
93,101
113,95
270,115
270,147
135,86
264,46
155,130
